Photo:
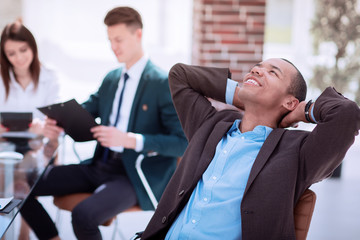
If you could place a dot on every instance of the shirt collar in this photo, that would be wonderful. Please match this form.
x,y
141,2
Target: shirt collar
x,y
136,70
263,130
259,131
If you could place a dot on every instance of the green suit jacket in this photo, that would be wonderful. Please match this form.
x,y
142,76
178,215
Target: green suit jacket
x,y
152,115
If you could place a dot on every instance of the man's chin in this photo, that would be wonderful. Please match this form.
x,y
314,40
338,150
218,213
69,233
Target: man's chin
x,y
248,93
120,60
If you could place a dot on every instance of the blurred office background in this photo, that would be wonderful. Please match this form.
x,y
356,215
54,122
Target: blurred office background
x,y
72,39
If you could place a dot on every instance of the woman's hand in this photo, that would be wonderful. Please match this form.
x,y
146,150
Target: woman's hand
x,y
3,129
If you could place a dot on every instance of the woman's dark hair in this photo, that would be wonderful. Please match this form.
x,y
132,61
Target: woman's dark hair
x,y
126,15
18,32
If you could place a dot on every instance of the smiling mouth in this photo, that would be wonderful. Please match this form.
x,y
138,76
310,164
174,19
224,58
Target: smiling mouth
x,y
252,82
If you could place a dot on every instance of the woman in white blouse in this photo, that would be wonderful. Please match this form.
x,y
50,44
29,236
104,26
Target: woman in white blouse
x,y
24,83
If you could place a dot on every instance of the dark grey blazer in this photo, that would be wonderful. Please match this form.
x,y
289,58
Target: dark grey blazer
x,y
287,164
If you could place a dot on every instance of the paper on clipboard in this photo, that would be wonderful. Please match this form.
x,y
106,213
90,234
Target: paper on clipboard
x,y
4,202
71,116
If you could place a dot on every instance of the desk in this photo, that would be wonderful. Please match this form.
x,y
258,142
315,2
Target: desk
x,y
18,177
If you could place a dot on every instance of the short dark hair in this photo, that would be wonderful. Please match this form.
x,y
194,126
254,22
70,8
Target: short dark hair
x,y
18,32
297,86
126,15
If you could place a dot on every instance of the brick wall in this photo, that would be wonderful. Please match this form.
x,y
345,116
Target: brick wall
x,y
228,33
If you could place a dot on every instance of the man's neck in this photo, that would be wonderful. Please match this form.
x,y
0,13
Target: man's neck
x,y
134,60
252,119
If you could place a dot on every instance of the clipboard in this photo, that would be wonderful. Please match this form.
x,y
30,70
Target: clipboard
x,y
71,116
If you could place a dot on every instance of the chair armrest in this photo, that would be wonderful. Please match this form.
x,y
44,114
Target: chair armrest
x,y
143,179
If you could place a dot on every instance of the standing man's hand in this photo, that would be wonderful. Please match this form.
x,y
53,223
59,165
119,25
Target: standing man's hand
x,y
37,126
112,137
51,130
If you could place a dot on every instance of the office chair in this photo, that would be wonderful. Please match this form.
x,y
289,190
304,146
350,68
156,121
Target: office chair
x,y
303,213
68,202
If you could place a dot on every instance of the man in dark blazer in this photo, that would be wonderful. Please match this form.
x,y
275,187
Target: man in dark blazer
x,y
137,117
223,190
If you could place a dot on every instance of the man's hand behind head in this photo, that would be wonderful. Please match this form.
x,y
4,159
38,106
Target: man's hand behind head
x,y
292,118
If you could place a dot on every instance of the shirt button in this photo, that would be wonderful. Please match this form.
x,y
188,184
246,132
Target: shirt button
x,y
163,220
242,138
205,199
214,177
225,152
181,192
193,221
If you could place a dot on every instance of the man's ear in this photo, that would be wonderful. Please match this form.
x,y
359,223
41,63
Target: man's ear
x,y
138,33
290,103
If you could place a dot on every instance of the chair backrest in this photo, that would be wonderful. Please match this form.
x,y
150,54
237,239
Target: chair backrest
x,y
303,213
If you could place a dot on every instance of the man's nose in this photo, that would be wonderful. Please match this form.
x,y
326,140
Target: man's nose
x,y
257,70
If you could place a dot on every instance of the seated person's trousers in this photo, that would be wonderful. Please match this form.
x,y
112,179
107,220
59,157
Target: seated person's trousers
x,y
113,193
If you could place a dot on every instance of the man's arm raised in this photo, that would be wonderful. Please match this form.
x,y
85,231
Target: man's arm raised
x,y
189,86
338,122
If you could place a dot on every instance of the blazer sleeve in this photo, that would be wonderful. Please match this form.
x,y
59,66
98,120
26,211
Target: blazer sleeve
x,y
189,86
338,123
91,105
99,103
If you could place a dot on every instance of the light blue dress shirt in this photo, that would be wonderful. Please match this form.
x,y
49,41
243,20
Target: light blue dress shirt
x,y
213,210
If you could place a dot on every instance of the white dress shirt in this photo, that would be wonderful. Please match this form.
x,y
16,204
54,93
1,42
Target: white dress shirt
x,y
131,85
27,100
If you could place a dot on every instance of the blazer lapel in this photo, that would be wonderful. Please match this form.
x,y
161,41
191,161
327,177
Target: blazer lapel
x,y
145,76
209,150
264,154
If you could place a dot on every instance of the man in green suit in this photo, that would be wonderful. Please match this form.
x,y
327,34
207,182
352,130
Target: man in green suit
x,y
137,116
